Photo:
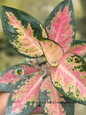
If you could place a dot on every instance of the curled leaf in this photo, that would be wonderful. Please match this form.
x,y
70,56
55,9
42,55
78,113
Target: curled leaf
x,y
52,51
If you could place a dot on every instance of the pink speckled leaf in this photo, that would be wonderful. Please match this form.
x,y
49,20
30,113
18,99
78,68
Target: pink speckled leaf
x,y
53,102
60,25
25,95
52,51
22,31
10,76
69,78
79,48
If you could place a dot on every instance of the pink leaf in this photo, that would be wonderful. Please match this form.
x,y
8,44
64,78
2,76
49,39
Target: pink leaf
x,y
70,77
25,95
9,76
61,30
79,49
53,102
25,42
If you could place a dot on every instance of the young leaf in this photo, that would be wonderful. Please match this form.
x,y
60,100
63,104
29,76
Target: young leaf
x,y
79,48
53,102
69,78
60,24
25,95
53,51
34,61
10,76
22,31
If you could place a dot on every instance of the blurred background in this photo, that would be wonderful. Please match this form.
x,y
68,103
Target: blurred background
x,y
40,9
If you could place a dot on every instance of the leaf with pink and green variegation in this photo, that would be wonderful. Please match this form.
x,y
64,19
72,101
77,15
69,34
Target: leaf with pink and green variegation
x,y
10,76
79,48
60,24
53,102
69,78
52,51
25,95
22,31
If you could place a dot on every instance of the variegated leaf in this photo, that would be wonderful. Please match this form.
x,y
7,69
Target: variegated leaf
x,y
52,50
79,48
22,31
53,102
10,76
60,24
25,95
69,78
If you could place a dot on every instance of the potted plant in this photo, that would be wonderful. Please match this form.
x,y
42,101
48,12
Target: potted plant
x,y
61,82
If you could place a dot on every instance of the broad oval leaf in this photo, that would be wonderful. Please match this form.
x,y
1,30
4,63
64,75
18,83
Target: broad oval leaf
x,y
22,31
60,24
52,51
69,78
10,76
25,95
79,48
53,102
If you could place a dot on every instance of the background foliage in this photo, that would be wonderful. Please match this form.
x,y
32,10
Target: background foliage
x,y
40,9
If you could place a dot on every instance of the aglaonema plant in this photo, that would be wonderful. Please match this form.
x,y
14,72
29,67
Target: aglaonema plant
x,y
62,83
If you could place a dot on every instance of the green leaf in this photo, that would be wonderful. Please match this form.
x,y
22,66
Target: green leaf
x,y
22,31
25,95
60,24
79,48
69,78
34,61
10,76
53,102
52,51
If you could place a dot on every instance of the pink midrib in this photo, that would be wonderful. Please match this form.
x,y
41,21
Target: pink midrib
x,y
59,29
61,66
22,30
39,81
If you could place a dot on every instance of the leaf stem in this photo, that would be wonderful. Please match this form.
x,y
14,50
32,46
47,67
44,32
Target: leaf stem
x,y
44,75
